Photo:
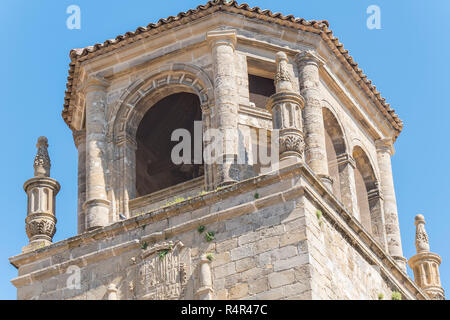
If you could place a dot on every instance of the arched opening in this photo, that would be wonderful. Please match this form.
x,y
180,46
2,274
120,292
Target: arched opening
x,y
155,169
365,182
335,146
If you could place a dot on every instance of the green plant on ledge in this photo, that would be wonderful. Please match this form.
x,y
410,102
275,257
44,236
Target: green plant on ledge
x,y
144,245
319,217
380,296
200,229
162,253
396,295
210,256
175,201
209,236
256,195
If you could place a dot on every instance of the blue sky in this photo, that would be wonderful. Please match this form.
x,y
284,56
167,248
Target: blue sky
x,y
407,59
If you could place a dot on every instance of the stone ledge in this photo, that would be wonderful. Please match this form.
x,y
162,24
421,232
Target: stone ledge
x,y
333,210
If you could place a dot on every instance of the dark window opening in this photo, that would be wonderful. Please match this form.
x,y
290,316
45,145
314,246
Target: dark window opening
x,y
155,169
260,90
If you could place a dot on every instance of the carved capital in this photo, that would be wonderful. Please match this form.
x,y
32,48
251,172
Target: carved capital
x,y
422,244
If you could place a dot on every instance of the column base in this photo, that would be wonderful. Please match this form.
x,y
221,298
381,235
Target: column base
x,y
97,213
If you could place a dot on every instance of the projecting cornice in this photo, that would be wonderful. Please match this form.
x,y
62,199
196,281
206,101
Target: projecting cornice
x,y
71,101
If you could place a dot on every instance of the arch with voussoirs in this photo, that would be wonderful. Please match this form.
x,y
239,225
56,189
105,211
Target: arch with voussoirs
x,y
138,101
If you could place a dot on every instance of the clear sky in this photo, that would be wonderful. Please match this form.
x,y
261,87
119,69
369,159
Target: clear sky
x,y
407,59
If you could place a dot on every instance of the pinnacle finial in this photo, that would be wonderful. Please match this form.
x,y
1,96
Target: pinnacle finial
x,y
422,244
282,77
42,160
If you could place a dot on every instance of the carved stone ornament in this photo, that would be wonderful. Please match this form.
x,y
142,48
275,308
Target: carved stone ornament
x,y
42,160
292,143
162,272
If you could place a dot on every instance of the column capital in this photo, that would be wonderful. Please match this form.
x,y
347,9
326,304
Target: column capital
x,y
95,83
221,37
126,138
385,145
79,136
345,158
309,57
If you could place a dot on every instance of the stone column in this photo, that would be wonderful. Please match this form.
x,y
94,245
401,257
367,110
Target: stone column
x,y
80,142
126,172
316,155
97,205
384,151
41,191
205,292
286,107
206,126
425,264
346,167
222,44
